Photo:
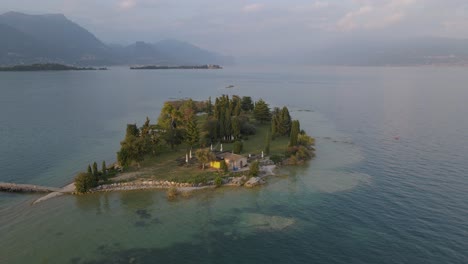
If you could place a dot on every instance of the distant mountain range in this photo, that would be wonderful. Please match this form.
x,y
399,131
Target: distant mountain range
x,y
392,52
26,39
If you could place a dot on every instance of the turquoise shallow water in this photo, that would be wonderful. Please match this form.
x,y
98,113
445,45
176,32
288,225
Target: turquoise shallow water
x,y
366,198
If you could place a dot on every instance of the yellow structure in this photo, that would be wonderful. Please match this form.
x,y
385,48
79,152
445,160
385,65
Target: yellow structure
x,y
215,164
233,161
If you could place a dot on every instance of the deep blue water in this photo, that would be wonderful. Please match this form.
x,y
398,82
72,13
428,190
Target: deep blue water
x,y
389,184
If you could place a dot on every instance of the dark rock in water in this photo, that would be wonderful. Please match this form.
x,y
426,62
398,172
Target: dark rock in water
x,y
75,260
156,221
143,214
140,224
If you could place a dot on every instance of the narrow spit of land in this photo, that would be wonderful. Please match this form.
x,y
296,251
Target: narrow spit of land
x,y
182,67
46,67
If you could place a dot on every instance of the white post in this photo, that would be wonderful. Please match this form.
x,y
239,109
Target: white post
x,y
221,147
211,147
186,158
262,154
190,156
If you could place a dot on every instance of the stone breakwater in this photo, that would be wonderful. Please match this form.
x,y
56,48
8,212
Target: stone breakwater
x,y
25,188
138,185
154,184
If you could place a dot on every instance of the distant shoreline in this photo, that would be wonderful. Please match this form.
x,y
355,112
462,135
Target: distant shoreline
x,y
182,67
46,67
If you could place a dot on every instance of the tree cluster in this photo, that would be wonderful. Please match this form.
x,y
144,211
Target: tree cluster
x,y
262,111
227,120
280,122
90,179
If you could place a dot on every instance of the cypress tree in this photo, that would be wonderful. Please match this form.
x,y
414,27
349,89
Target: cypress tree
x,y
193,135
236,127
237,109
209,107
95,170
295,129
285,126
227,124
104,168
90,171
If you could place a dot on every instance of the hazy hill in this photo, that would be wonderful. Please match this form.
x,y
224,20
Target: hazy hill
x,y
168,52
379,52
63,40
54,38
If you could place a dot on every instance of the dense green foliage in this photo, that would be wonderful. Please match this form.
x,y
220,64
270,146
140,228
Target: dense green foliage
x,y
204,156
223,167
280,122
295,129
237,147
247,104
84,182
254,169
218,181
262,111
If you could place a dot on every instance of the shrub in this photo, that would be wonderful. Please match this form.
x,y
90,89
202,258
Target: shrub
x,y
223,166
276,158
305,140
254,169
172,193
248,129
218,181
84,182
237,147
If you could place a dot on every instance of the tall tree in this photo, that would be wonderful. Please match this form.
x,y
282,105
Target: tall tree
x,y
285,125
209,107
236,127
275,121
295,129
95,172
192,136
262,111
247,103
168,122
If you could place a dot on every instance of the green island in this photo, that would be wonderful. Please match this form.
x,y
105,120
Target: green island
x,y
182,67
47,67
199,144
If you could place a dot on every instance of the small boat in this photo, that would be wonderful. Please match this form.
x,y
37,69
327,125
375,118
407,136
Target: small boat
x,y
230,86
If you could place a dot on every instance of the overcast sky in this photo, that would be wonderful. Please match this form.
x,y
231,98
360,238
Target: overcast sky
x,y
244,27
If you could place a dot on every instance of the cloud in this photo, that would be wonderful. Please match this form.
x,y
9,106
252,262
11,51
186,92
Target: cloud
x,y
127,4
374,15
253,8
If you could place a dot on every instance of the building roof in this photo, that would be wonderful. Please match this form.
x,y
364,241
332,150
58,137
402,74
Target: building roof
x,y
230,156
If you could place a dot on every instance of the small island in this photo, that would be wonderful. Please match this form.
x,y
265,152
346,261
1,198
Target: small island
x,y
199,144
184,67
46,67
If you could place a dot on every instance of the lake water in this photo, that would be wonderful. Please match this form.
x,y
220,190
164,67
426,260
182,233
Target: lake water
x,y
389,183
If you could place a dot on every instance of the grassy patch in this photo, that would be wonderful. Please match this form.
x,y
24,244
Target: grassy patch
x,y
165,165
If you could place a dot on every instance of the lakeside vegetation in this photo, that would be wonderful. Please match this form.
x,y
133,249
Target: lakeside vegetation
x,y
190,135
47,67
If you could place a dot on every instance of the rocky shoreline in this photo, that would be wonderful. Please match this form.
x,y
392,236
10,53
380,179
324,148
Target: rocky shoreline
x,y
156,184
